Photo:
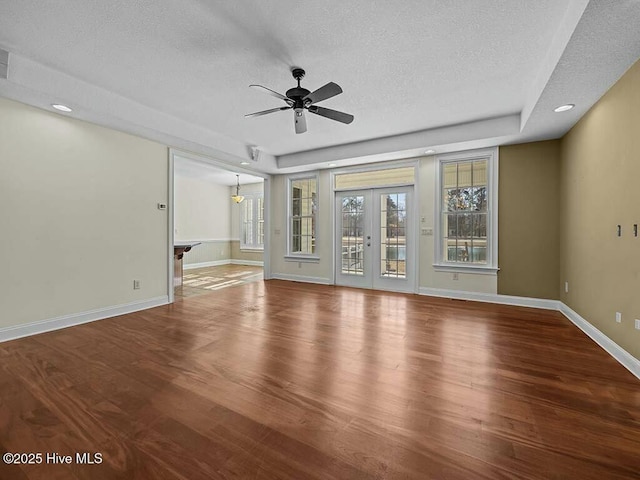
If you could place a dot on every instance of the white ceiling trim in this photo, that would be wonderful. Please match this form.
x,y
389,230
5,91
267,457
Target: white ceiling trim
x,y
38,85
493,127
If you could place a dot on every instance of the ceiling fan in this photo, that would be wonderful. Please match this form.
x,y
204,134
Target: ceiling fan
x,y
300,99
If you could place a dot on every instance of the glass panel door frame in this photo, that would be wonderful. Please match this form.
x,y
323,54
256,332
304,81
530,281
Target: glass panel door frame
x,y
352,224
375,240
395,240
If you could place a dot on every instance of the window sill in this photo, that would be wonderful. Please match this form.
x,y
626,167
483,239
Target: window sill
x,y
477,269
302,258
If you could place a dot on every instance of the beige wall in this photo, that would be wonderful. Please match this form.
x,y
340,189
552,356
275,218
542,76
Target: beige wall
x,y
320,271
209,251
246,255
599,190
202,214
78,216
429,277
202,210
529,222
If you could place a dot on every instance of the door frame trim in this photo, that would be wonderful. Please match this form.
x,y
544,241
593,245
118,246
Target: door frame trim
x,y
173,153
415,208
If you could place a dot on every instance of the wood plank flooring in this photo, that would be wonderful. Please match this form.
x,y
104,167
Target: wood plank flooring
x,y
280,380
198,281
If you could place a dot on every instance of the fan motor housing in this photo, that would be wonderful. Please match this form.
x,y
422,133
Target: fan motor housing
x,y
297,94
294,92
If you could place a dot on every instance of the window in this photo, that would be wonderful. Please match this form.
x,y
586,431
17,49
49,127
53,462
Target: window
x,y
375,178
303,201
252,222
467,206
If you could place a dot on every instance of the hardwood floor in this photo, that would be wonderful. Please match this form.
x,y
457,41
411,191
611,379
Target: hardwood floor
x,y
199,281
279,380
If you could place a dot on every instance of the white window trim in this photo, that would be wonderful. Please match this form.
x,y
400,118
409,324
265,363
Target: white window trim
x,y
491,267
251,247
293,256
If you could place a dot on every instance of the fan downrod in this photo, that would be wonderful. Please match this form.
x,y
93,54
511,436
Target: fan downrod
x,y
297,93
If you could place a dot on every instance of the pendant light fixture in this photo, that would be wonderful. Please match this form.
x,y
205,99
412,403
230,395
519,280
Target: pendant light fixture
x,y
237,198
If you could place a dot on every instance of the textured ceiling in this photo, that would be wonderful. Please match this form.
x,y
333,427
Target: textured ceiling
x,y
189,168
179,71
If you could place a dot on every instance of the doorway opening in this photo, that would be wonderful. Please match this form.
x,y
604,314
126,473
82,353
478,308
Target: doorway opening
x,y
218,228
374,224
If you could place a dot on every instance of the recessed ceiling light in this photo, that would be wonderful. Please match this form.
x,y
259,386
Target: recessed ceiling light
x,y
564,108
332,164
62,108
430,151
244,163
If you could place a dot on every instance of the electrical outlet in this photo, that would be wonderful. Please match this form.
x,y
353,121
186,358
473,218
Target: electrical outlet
x,y
136,284
637,324
566,287
455,276
618,317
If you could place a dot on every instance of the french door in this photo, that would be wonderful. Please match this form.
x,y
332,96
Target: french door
x,y
374,239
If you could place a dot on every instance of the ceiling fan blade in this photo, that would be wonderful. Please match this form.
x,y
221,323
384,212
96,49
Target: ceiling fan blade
x,y
329,90
332,114
273,93
264,112
300,121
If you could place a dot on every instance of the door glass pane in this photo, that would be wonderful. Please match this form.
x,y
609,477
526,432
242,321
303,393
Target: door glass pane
x,y
353,235
393,240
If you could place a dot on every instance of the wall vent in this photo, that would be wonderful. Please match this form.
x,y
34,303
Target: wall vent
x,y
4,63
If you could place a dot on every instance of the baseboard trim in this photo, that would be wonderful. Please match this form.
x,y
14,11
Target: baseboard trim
x,y
612,348
492,298
42,326
214,263
301,278
623,357
254,263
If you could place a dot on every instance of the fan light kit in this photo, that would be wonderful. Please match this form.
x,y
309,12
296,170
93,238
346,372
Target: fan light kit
x,y
564,108
300,99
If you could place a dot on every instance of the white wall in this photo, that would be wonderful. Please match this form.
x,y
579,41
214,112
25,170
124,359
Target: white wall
x,y
78,216
201,210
